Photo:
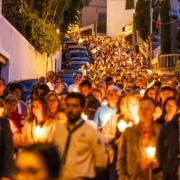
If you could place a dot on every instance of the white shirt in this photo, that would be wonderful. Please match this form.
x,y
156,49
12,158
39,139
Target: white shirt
x,y
73,88
51,86
86,151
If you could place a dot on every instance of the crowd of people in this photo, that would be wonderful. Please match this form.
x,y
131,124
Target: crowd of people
x,y
100,127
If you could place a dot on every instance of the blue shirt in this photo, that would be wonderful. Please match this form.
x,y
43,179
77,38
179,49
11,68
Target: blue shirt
x,y
103,114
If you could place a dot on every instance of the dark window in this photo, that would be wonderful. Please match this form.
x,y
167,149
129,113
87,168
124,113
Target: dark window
x,y
102,17
129,4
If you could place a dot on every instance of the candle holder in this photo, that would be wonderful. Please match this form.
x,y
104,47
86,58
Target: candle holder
x,y
150,153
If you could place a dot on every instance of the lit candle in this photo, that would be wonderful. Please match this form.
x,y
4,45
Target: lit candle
x,y
75,90
136,120
150,152
122,125
104,103
142,91
38,131
84,116
129,124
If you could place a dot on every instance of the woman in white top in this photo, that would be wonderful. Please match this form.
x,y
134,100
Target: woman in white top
x,y
38,126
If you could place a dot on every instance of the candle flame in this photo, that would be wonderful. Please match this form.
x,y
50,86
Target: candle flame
x,y
136,121
38,131
150,152
122,125
104,103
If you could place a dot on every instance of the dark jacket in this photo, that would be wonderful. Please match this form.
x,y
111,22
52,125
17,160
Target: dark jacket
x,y
91,107
6,149
167,149
129,153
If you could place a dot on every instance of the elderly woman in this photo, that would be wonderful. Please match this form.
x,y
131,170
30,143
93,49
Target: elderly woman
x,y
103,113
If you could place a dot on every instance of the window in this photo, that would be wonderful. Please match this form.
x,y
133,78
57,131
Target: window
x,y
101,17
129,4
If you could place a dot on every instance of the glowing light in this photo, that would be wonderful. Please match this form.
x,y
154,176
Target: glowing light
x,y
136,120
57,30
150,152
38,131
122,125
75,90
142,91
84,116
129,124
104,103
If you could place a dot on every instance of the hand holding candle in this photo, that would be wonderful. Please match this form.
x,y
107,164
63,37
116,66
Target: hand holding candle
x,y
122,125
38,131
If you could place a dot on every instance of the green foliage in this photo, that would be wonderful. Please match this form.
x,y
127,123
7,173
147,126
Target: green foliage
x,y
41,35
142,18
38,20
177,69
71,16
165,28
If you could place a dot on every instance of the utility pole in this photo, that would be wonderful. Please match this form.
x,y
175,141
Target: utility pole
x,y
150,32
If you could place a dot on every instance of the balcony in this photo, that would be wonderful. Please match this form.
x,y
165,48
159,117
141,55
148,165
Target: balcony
x,y
166,63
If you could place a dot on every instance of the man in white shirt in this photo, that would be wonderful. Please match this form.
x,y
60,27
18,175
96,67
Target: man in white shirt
x,y
81,147
51,79
74,87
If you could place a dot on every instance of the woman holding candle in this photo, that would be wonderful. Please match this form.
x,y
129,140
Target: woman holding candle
x,y
38,127
53,104
112,134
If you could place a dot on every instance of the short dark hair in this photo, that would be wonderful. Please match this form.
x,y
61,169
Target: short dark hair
x,y
45,88
108,79
157,83
48,153
14,86
58,78
86,83
75,95
2,79
147,98
98,90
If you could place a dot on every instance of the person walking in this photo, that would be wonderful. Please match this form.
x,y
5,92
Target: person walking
x,y
81,147
132,162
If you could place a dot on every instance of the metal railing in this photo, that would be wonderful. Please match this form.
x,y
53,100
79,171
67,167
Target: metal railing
x,y
168,61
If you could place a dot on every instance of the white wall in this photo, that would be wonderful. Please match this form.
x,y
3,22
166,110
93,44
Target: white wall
x,y
24,61
117,16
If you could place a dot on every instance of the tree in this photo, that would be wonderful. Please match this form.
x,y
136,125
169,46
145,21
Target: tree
x,y
177,69
142,18
71,15
38,20
165,28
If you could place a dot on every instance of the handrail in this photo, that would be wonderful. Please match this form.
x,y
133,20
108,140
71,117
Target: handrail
x,y
168,61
